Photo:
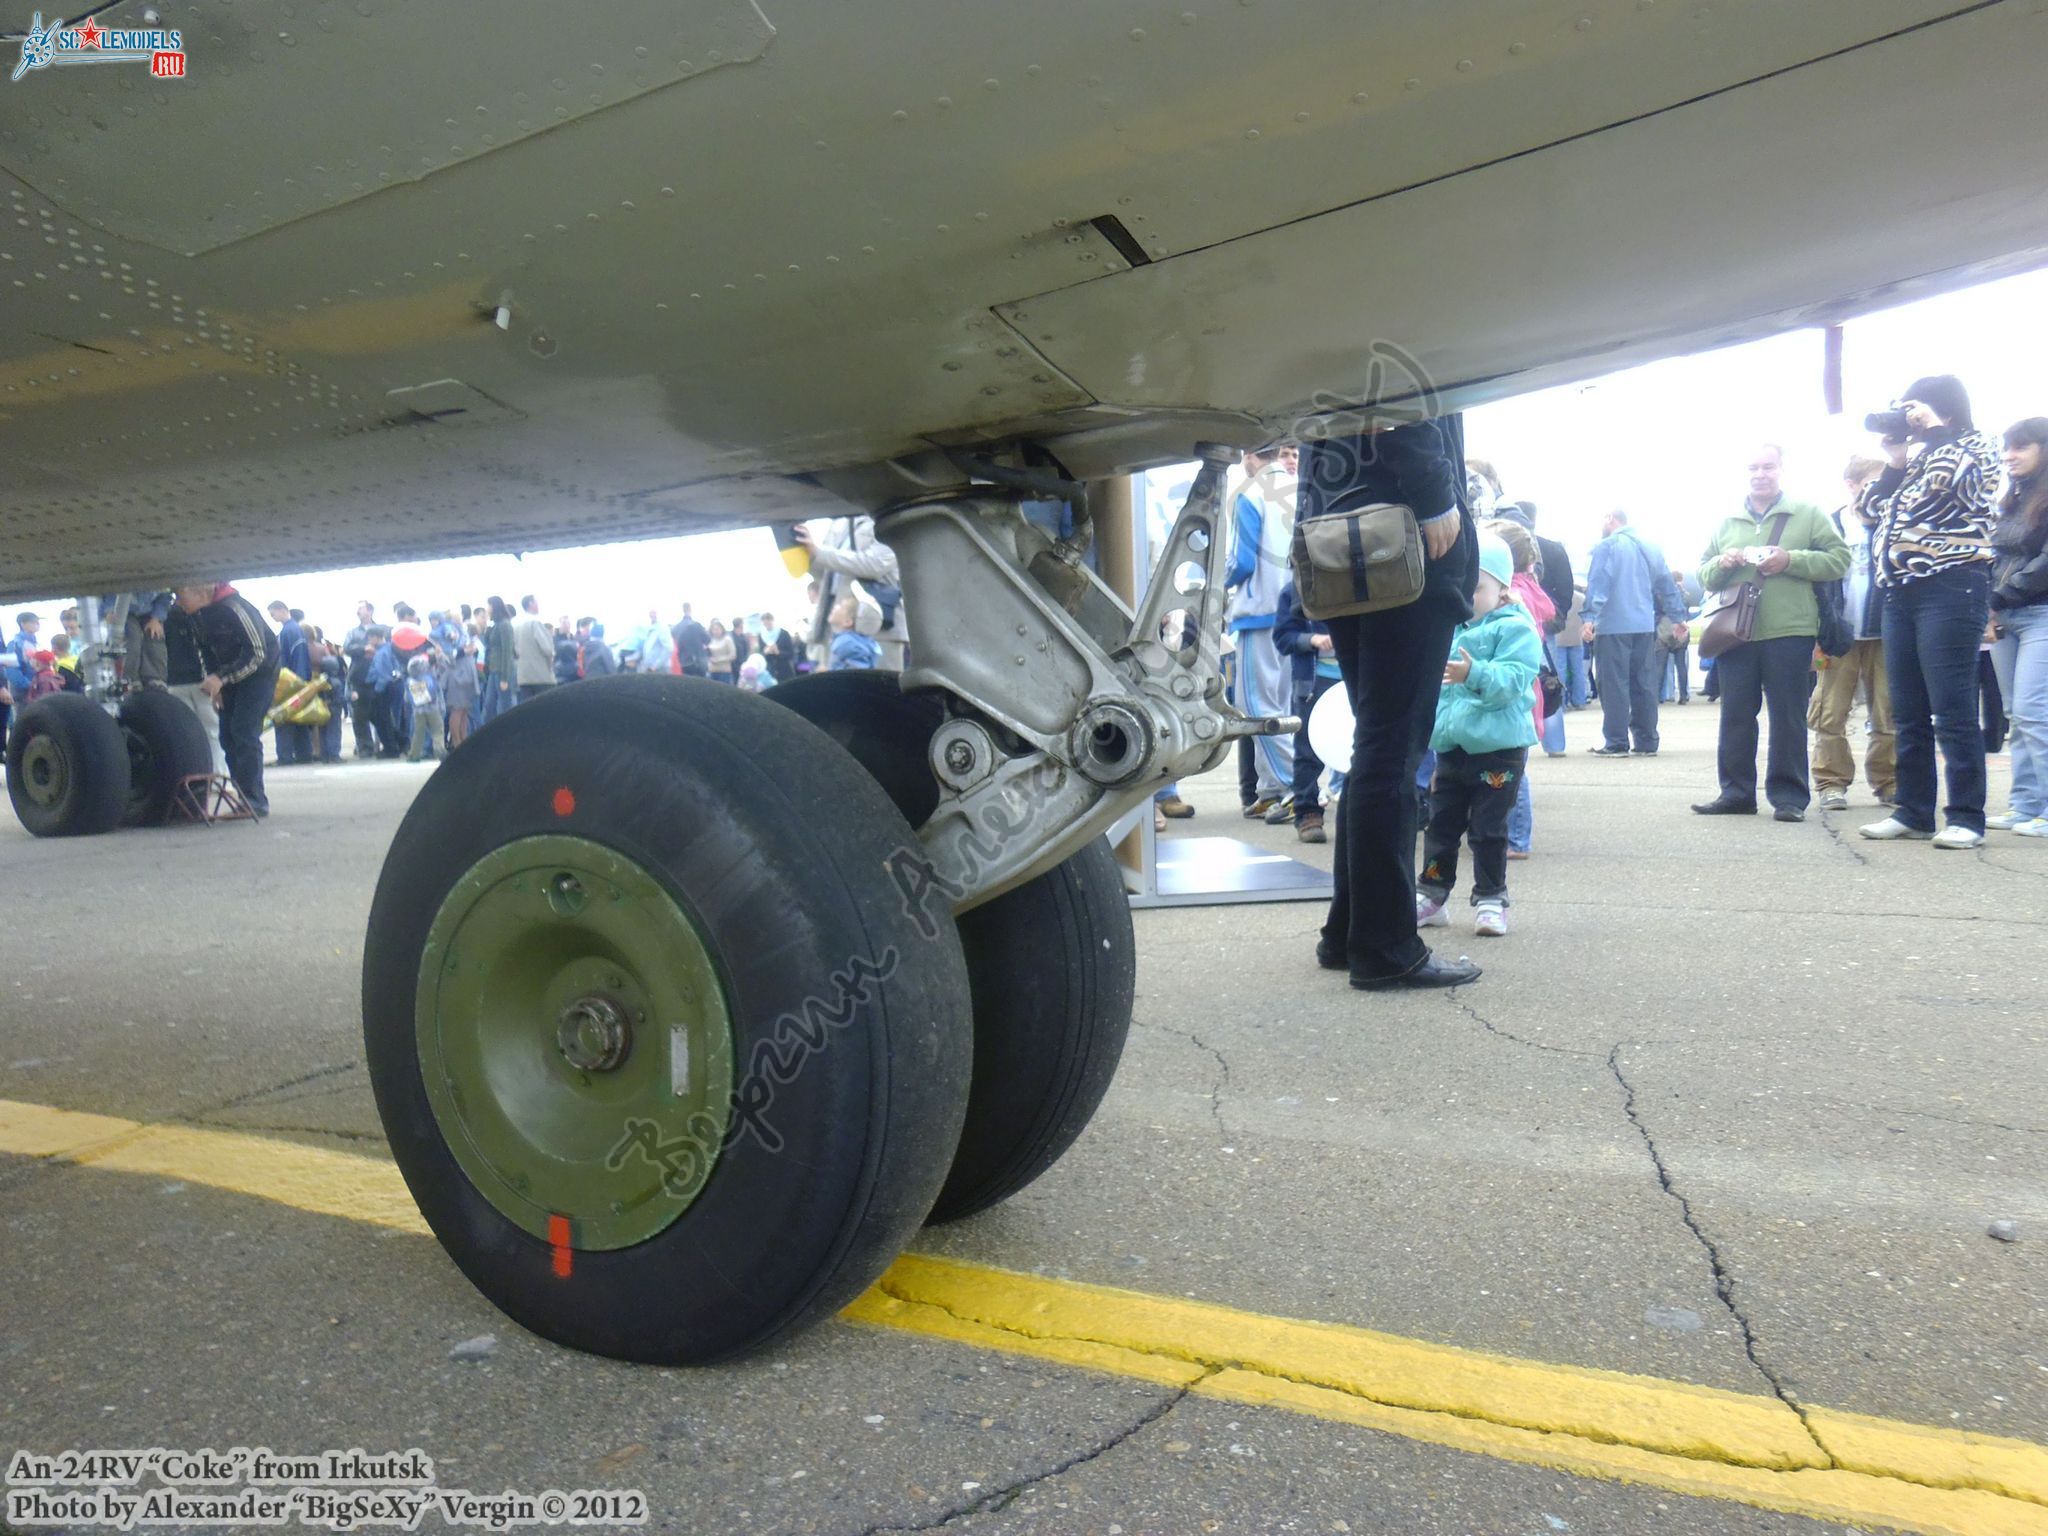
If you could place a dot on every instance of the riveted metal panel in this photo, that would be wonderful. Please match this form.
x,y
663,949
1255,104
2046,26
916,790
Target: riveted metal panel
x,y
726,287
293,106
1796,199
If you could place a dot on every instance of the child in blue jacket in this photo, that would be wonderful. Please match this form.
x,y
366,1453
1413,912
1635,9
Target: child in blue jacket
x,y
1484,729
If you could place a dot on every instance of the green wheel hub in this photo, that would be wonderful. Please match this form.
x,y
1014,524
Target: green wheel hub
x,y
45,771
575,1041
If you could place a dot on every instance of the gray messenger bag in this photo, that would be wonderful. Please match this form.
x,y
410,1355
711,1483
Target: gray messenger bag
x,y
1358,561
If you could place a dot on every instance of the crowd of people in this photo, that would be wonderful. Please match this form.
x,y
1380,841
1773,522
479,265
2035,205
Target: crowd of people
x,y
416,688
1923,596
1917,597
1923,593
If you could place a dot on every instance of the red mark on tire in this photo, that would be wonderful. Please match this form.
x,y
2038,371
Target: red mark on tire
x,y
558,1233
565,801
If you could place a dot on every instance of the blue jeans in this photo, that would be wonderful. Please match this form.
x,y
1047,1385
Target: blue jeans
x,y
1522,819
1550,732
1571,668
2021,659
1931,632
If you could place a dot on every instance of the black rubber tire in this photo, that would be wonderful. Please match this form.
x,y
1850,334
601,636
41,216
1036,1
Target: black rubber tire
x,y
90,753
1052,964
886,730
779,849
166,744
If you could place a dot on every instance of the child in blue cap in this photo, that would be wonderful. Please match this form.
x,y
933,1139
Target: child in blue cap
x,y
1484,729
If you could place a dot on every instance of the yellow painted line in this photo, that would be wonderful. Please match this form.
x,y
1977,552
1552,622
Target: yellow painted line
x,y
366,1189
1693,1440
1687,1439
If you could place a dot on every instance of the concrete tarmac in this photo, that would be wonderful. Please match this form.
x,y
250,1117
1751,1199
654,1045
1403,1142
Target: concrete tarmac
x,y
1734,1106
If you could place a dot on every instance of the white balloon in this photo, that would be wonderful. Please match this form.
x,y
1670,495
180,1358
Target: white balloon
x,y
1329,729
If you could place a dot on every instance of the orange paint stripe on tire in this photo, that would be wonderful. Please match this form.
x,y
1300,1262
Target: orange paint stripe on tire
x,y
558,1236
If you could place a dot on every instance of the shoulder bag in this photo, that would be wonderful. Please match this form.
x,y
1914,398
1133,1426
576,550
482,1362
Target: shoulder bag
x,y
1357,561
1728,616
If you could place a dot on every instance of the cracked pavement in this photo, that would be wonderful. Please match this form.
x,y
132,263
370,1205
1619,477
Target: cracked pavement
x,y
1724,1281
1001,1499
1729,1108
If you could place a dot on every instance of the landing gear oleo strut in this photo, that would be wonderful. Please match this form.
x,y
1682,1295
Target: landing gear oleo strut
x,y
685,1008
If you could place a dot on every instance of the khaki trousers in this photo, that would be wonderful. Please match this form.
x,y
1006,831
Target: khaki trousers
x,y
1827,716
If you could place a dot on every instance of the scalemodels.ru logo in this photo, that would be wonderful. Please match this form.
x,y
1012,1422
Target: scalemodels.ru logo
x,y
161,48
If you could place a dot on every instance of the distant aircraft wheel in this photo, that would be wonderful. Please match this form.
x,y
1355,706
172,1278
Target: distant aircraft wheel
x,y
67,767
670,1063
166,745
1053,964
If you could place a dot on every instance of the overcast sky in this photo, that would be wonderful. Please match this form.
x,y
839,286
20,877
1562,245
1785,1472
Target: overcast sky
x,y
1670,441
1667,441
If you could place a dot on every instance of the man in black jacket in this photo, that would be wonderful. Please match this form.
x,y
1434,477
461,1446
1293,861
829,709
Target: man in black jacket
x,y
1553,563
693,646
1393,665
241,659
1553,560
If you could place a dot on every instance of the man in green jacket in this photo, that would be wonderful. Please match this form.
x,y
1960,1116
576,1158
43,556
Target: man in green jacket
x,y
1786,546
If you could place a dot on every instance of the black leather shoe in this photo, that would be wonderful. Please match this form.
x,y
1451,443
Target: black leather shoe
x,y
1607,752
1331,959
1788,813
1433,972
1725,808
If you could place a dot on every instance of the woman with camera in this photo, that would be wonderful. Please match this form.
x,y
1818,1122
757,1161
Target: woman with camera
x,y
1931,554
2019,610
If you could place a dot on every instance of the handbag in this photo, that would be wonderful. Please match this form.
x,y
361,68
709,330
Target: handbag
x,y
886,596
1552,686
1728,616
1836,634
1357,561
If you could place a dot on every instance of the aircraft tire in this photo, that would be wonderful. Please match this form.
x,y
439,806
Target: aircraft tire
x,y
1052,964
166,744
670,1061
67,767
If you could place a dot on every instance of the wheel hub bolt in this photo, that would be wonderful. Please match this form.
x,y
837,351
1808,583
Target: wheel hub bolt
x,y
593,1034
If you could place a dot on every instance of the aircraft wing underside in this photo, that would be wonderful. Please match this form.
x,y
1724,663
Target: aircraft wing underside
x,y
380,281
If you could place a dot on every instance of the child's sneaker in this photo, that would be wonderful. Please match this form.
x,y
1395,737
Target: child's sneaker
x,y
1429,911
1490,920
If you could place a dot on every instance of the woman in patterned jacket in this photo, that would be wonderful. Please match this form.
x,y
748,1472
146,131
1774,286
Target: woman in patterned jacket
x,y
1931,555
